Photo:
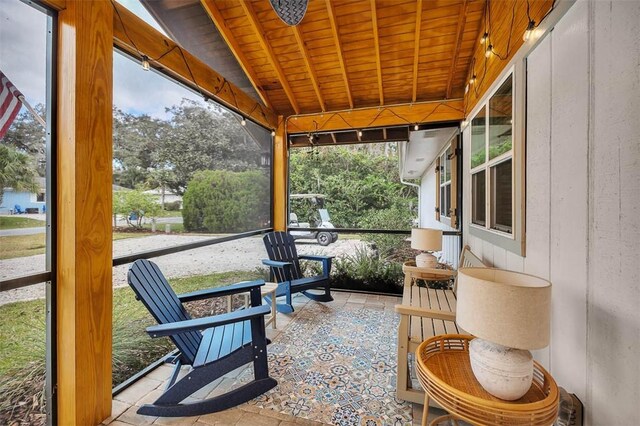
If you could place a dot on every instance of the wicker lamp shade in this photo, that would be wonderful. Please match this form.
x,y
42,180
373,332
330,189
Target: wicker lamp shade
x,y
504,307
426,239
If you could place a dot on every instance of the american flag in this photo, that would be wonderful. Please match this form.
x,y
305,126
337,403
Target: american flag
x,y
10,103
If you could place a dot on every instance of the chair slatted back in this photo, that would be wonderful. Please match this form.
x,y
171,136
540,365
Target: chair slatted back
x,y
152,288
282,248
467,260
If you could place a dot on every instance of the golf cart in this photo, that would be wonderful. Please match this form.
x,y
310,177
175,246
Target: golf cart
x,y
324,238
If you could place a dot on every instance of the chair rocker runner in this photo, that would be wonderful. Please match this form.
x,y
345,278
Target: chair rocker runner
x,y
212,346
285,267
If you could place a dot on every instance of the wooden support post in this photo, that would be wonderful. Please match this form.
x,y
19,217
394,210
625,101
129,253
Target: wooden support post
x,y
84,271
280,166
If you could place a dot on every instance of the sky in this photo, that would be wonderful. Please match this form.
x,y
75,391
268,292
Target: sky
x,y
23,32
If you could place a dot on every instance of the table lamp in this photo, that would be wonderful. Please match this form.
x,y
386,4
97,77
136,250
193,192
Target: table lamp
x,y
426,239
509,314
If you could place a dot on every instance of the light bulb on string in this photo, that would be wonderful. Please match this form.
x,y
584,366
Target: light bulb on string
x,y
416,127
243,122
359,133
273,133
529,31
145,62
472,80
489,51
484,38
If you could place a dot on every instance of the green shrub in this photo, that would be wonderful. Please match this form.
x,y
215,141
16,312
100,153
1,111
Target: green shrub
x,y
224,201
362,270
172,206
396,217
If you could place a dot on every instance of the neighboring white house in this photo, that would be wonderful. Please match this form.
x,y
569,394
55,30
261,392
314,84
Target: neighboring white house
x,y
550,186
166,196
24,199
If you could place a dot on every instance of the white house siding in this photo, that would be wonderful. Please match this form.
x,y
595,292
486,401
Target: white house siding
x,y
450,245
583,203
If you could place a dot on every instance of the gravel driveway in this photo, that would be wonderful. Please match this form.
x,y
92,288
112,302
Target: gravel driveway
x,y
240,255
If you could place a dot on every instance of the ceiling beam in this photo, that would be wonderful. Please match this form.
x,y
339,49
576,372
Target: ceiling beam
x,y
136,38
336,39
271,56
416,50
392,115
462,18
307,61
214,13
374,18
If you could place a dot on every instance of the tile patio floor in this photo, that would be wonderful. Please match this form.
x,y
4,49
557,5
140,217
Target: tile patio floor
x,y
148,388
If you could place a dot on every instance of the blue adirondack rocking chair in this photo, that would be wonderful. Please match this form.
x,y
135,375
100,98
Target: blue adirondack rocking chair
x,y
285,268
18,210
212,346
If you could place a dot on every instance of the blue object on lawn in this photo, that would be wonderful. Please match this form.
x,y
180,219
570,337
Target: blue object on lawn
x,y
18,210
285,268
212,346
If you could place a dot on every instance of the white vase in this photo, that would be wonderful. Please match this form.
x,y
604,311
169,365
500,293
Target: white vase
x,y
504,372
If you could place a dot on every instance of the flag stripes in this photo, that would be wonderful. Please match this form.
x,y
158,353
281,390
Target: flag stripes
x,y
10,103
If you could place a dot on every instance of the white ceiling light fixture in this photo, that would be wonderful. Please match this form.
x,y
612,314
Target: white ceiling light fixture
x,y
290,12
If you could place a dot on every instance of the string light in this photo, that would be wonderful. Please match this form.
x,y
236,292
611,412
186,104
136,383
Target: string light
x,y
416,127
243,122
484,38
359,133
273,133
489,51
529,31
145,62
473,80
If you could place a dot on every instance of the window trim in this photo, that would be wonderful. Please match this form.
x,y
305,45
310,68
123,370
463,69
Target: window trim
x,y
447,218
514,242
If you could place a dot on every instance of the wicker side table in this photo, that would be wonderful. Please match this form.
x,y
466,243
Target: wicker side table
x,y
444,371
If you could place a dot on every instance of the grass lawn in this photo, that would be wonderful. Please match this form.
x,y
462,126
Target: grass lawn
x,y
22,335
30,245
13,222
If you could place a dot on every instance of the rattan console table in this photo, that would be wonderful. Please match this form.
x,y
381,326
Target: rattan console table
x,y
444,371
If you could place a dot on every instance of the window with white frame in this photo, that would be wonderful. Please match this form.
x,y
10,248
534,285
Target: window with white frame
x,y
491,162
445,183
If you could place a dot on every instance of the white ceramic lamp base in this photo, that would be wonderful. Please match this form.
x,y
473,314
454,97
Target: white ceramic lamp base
x,y
426,260
504,372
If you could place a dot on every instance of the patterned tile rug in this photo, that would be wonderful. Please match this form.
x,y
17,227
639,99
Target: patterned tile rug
x,y
336,363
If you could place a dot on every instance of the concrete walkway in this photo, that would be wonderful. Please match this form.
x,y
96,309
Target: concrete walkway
x,y
22,231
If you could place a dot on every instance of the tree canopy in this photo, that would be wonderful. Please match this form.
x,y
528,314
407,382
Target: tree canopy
x,y
358,182
168,152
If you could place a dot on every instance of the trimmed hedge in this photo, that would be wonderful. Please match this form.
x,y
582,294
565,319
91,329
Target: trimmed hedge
x,y
224,201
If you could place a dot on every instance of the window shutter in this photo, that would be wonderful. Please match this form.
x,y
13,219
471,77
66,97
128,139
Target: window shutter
x,y
438,188
455,159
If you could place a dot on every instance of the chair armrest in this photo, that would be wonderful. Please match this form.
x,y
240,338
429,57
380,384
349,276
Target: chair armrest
x,y
315,257
220,291
173,328
275,263
426,313
326,262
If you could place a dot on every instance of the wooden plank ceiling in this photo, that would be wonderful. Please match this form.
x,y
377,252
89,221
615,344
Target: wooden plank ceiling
x,y
348,54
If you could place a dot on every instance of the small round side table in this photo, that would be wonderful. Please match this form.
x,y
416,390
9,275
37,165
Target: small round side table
x,y
444,371
268,289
